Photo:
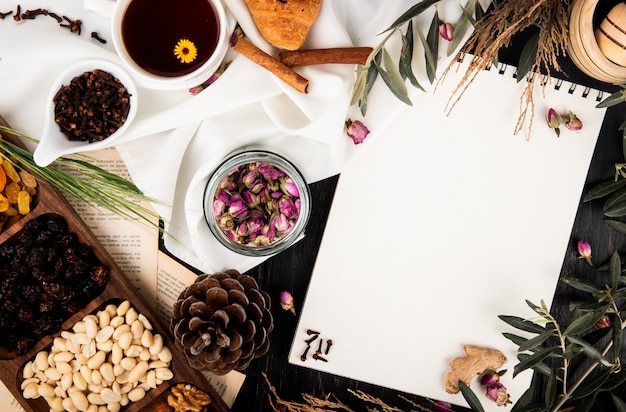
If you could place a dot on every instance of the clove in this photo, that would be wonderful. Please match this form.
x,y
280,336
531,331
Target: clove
x,y
320,358
95,35
303,356
329,343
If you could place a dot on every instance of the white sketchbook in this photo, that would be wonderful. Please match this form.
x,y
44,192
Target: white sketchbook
x,y
442,224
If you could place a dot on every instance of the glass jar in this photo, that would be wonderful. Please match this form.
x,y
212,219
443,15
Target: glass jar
x,y
256,202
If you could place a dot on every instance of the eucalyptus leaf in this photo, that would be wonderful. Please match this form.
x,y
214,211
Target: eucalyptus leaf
x,y
522,324
617,199
392,79
359,87
370,79
615,270
592,383
551,387
428,55
532,360
584,322
589,350
470,397
581,285
616,379
585,404
620,405
432,43
616,209
604,189
516,339
536,341
406,57
613,99
524,401
540,367
618,334
617,225
465,22
528,57
414,11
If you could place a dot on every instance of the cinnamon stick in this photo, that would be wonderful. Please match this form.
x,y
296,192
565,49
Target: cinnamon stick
x,y
266,61
339,55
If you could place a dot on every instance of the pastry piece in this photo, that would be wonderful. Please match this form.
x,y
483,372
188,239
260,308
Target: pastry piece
x,y
284,24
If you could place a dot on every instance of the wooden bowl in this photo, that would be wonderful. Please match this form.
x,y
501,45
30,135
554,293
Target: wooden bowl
x,y
611,35
583,48
118,288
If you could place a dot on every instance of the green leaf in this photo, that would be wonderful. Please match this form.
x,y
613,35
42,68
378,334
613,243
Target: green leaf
x,y
581,285
604,189
551,387
541,367
359,87
392,78
589,349
524,401
470,397
617,225
536,341
516,339
431,64
414,11
615,204
584,322
372,74
522,324
533,360
432,43
406,57
615,270
528,57
620,405
618,334
615,380
466,21
592,383
585,404
613,99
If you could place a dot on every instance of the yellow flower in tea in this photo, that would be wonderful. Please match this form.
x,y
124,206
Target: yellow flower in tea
x,y
185,51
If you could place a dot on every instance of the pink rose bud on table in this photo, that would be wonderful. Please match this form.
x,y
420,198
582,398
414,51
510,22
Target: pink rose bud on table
x,y
446,31
356,130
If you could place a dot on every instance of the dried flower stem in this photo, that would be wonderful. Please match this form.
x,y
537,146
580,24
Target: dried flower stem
x,y
496,30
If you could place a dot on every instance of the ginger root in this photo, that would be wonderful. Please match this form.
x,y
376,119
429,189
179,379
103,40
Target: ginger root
x,y
476,361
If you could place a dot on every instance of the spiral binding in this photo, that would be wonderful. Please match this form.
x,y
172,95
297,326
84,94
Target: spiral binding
x,y
502,68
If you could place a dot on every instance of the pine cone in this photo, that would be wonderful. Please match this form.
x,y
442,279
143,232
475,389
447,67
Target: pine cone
x,y
222,321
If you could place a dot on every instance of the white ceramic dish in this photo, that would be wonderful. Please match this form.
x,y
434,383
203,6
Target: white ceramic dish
x,y
53,143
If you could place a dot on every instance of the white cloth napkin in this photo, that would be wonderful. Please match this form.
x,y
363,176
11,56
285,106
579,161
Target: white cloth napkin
x,y
177,139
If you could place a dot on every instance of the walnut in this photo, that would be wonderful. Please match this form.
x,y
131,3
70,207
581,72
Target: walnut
x,y
188,398
476,361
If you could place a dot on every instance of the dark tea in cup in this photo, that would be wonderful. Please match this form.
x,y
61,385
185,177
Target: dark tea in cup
x,y
170,38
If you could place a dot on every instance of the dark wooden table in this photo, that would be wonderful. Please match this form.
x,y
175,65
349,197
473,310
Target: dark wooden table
x,y
291,270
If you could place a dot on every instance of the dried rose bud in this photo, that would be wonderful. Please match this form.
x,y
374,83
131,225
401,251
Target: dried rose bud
x,y
584,249
356,130
286,302
446,31
554,121
603,323
490,377
498,393
573,122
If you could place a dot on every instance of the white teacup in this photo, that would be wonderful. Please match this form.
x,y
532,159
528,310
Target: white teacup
x,y
145,34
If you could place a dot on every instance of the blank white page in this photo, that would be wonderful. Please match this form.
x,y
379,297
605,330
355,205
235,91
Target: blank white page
x,y
439,226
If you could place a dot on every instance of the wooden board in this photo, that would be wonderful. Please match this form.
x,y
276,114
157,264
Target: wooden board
x,y
47,201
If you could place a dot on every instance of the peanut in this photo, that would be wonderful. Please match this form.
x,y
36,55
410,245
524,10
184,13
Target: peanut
x,y
104,362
